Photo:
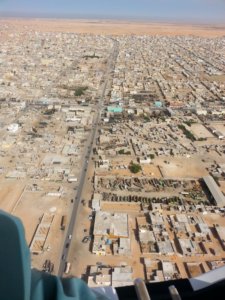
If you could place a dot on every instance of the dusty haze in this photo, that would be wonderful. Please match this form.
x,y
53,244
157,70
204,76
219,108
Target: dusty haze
x,y
114,27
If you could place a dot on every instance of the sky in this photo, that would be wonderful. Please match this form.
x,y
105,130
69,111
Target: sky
x,y
202,11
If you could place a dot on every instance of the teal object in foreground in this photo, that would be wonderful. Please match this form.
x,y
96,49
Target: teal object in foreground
x,y
19,282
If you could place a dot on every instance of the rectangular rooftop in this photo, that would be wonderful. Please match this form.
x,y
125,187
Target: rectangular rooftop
x,y
214,190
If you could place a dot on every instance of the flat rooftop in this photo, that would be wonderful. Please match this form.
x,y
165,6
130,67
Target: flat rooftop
x,y
111,224
214,190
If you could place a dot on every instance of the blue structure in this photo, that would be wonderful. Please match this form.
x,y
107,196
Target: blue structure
x,y
19,282
158,104
115,109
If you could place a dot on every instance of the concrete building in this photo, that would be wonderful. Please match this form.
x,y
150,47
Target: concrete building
x,y
220,230
122,276
165,248
215,191
96,201
111,225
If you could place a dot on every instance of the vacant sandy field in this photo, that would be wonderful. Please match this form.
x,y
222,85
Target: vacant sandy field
x,y
10,192
114,27
200,131
194,269
219,126
222,186
183,168
30,209
35,205
120,207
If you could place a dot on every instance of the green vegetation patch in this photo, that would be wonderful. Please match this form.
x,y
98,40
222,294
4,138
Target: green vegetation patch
x,y
134,168
121,151
79,91
187,133
189,123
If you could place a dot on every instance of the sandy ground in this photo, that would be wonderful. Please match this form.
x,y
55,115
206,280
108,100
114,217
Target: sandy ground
x,y
200,131
10,192
120,207
222,186
147,170
35,204
182,168
108,27
194,269
220,127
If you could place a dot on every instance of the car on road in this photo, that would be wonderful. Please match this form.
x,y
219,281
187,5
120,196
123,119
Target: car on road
x,y
67,267
70,236
67,245
63,257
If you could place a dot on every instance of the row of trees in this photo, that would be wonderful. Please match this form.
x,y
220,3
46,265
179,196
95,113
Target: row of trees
x,y
187,133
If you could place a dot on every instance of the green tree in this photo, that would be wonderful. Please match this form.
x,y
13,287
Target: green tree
x,y
121,151
134,168
79,91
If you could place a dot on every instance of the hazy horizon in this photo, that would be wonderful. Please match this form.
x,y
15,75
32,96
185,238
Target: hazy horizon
x,y
192,11
112,18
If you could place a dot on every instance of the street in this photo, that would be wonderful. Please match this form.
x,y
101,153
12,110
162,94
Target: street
x,y
85,160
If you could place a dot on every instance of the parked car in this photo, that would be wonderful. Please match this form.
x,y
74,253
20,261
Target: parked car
x,y
86,239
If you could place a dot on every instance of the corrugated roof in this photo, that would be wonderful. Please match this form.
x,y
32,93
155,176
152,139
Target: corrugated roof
x,y
214,190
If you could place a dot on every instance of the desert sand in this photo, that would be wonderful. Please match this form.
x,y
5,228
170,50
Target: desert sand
x,y
109,27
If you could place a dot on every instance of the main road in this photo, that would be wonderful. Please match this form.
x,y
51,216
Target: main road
x,y
86,157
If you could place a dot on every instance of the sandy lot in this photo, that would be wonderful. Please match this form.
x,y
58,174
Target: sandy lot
x,y
222,186
35,204
200,131
219,126
183,168
120,207
114,27
10,192
147,170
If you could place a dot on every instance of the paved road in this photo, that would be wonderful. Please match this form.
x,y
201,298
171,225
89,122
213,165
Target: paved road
x,y
85,159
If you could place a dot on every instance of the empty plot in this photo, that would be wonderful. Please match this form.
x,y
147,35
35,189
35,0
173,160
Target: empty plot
x,y
200,131
219,127
222,186
120,207
183,168
36,205
194,269
10,192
